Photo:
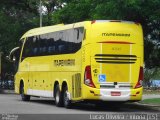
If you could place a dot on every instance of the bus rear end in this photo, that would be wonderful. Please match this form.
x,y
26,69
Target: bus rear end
x,y
114,71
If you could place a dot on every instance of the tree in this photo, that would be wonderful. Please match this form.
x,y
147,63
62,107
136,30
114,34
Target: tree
x,y
18,16
146,12
150,74
51,6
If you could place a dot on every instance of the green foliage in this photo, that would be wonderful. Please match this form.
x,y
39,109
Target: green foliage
x,y
72,12
146,12
18,16
15,19
153,101
151,74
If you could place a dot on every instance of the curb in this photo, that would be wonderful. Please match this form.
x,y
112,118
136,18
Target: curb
x,y
7,91
149,105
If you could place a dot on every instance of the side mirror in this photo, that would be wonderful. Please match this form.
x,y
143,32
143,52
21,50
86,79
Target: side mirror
x,y
14,54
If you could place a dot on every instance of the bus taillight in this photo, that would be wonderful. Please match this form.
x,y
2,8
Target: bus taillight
x,y
140,79
88,77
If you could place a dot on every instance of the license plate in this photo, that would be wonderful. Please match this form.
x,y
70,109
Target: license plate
x,y
115,93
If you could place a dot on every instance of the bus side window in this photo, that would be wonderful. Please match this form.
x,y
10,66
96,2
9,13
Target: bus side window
x,y
77,34
44,45
27,50
76,39
61,49
80,33
20,49
35,46
51,46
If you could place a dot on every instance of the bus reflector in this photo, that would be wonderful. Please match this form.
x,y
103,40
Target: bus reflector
x,y
88,77
140,79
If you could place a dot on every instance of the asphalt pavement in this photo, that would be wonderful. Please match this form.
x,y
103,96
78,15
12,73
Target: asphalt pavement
x,y
11,103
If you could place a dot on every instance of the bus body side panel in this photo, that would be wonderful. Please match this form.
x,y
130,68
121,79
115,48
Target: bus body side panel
x,y
60,68
22,75
42,71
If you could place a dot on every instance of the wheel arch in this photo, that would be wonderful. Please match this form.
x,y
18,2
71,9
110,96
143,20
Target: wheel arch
x,y
64,84
54,87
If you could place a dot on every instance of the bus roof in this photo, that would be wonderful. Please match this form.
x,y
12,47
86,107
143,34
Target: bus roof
x,y
40,30
47,29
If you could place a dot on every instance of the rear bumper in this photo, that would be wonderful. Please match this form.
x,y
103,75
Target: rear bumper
x,y
105,94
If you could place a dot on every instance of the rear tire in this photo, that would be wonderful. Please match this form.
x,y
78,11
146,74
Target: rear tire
x,y
66,101
23,96
58,97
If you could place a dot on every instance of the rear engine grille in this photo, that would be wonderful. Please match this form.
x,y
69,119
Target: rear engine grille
x,y
115,59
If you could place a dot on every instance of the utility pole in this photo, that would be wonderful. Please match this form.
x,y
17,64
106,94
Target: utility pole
x,y
0,63
0,71
40,9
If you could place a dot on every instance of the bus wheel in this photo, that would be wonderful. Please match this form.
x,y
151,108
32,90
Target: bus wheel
x,y
66,100
23,96
58,97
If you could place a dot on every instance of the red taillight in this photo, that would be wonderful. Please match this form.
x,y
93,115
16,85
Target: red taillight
x,y
88,77
140,79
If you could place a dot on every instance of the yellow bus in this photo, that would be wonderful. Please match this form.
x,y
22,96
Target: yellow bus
x,y
99,60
